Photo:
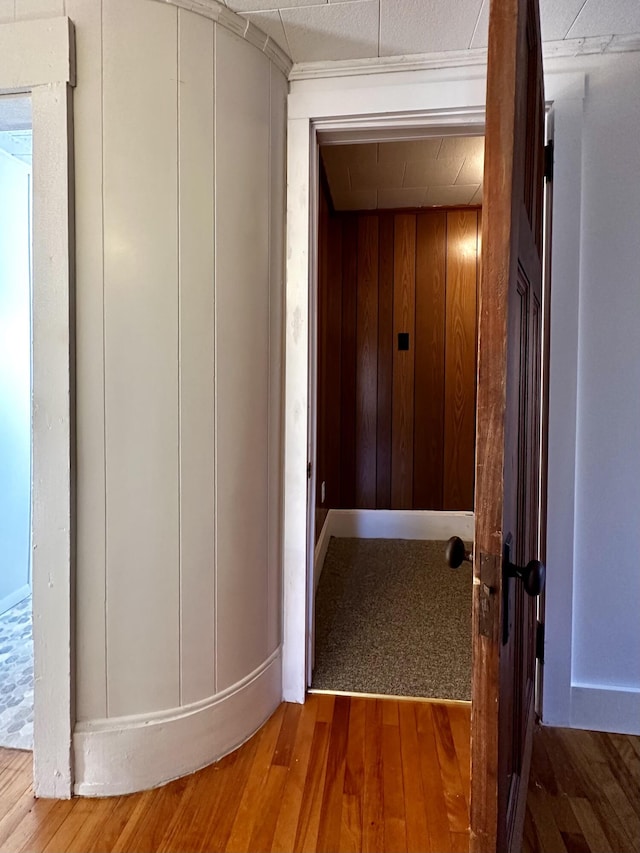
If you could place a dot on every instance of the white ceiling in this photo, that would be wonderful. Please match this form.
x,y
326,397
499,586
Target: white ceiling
x,y
418,173
312,30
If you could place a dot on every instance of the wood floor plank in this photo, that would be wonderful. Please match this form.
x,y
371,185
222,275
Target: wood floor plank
x,y
287,823
210,804
353,788
331,809
309,815
590,826
372,795
435,804
346,774
454,795
416,815
151,817
395,831
579,774
36,828
247,814
459,723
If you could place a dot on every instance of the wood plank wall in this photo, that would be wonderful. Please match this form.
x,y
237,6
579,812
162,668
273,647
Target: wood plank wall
x,y
396,428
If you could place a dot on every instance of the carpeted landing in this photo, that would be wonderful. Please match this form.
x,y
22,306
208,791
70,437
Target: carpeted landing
x,y
393,618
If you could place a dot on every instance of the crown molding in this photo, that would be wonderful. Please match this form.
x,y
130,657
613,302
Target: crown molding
x,y
474,57
239,26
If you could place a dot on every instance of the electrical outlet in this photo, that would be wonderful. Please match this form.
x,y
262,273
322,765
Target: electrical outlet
x,y
323,491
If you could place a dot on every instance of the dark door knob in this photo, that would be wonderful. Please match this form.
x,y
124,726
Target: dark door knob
x,y
532,576
456,552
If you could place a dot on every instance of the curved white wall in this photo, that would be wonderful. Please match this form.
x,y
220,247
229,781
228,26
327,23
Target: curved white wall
x,y
179,167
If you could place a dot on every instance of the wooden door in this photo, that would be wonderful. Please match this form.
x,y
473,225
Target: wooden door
x,y
508,427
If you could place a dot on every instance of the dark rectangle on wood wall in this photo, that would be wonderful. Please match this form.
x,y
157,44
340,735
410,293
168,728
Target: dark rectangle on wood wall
x,y
367,362
385,359
404,278
428,449
333,378
349,342
460,360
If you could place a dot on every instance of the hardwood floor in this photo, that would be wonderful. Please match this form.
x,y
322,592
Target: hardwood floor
x,y
584,793
343,774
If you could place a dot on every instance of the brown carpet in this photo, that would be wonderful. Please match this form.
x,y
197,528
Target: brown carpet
x,y
393,618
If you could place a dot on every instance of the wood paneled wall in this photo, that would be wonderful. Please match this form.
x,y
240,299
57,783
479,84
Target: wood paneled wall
x,y
396,427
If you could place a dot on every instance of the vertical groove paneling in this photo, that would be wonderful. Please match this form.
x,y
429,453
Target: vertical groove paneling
x,y
324,246
414,283
349,348
403,362
141,355
385,360
334,359
428,451
196,259
367,362
91,681
460,359
279,90
242,104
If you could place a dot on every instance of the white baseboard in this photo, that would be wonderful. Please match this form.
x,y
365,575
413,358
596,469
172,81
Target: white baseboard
x,y
605,709
391,524
126,754
14,598
321,549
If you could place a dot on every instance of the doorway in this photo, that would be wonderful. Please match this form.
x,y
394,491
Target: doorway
x,y
398,267
16,640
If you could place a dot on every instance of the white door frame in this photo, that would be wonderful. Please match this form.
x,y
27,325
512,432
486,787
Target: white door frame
x,y
407,105
37,57
399,103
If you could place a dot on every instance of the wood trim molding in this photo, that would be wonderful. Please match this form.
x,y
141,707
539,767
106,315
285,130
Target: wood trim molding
x,y
463,59
50,57
239,26
171,743
38,57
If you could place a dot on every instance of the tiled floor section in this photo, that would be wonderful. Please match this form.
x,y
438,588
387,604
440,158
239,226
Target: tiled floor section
x,y
16,677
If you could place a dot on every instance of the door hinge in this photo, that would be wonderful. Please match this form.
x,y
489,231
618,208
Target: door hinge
x,y
548,160
308,470
540,641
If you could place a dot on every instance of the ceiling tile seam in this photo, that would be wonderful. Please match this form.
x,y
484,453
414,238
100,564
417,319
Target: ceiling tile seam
x,y
575,19
284,30
473,34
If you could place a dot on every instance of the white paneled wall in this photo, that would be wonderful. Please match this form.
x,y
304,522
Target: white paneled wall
x,y
179,165
141,304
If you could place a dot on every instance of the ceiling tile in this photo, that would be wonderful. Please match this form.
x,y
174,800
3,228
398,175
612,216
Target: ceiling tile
x,y
461,146
477,196
556,18
265,5
413,26
356,200
451,195
364,177
472,171
480,36
415,149
271,24
598,19
332,31
429,173
338,178
401,198
348,155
